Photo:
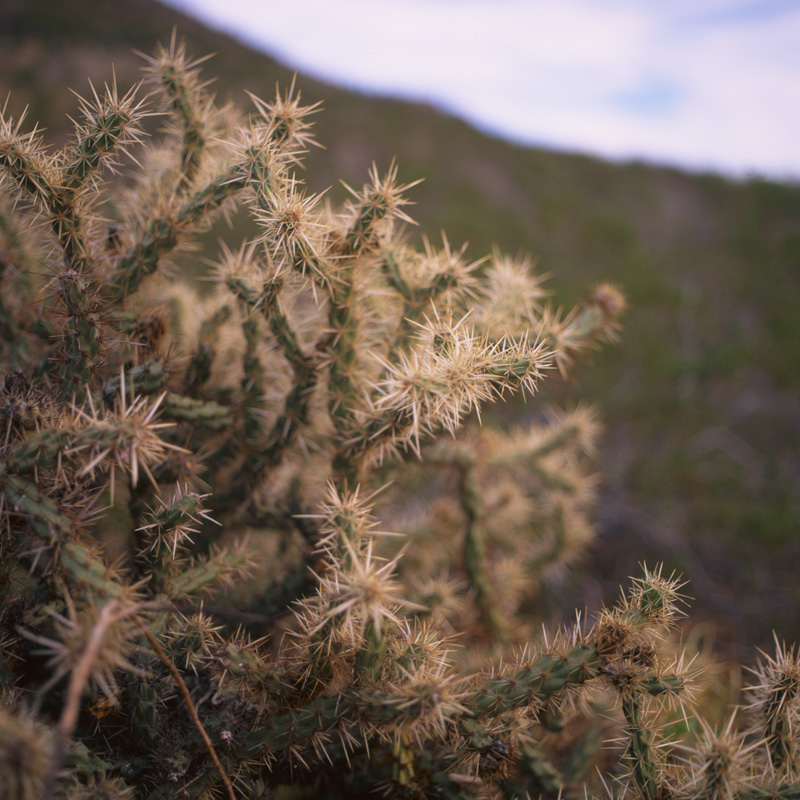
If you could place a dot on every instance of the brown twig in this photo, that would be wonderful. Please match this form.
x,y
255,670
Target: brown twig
x,y
190,705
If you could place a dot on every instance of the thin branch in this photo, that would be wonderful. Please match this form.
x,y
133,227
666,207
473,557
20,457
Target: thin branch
x,y
190,705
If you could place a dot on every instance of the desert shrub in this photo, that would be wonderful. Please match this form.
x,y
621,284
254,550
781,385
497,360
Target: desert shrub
x,y
198,598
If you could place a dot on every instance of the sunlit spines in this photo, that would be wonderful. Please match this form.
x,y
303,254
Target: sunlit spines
x,y
510,296
252,162
178,77
359,590
286,118
110,124
97,440
720,765
170,526
127,438
289,224
575,332
657,598
774,706
26,162
450,371
439,277
374,208
345,521
364,592
64,185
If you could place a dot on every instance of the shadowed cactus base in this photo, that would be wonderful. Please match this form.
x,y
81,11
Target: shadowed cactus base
x,y
197,595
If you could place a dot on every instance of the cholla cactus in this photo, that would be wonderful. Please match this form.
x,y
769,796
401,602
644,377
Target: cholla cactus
x,y
164,444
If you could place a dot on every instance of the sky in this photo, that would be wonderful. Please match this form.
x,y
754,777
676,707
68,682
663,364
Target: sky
x,y
699,84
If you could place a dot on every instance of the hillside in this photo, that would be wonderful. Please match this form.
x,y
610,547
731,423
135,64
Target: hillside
x,y
701,400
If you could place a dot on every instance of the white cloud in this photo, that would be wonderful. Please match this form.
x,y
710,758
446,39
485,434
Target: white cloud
x,y
703,83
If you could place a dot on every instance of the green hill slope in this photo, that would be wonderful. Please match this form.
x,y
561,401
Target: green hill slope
x,y
701,457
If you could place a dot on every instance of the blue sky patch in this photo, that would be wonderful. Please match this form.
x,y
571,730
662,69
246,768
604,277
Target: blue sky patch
x,y
653,97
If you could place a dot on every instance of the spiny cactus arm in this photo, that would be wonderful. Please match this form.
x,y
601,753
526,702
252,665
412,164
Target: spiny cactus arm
x,y
97,440
639,750
475,555
646,768
87,567
59,186
720,764
343,358
535,767
24,159
37,177
575,430
167,531
470,493
202,413
361,719
237,271
544,678
390,266
178,78
254,162
298,725
150,378
286,119
775,705
254,380
293,233
15,279
415,299
450,280
219,567
452,372
573,333
295,414
143,379
198,370
373,211
168,226
509,297
23,497
79,359
110,123
377,204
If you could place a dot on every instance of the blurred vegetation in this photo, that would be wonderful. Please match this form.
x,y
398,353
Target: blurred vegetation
x,y
700,460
